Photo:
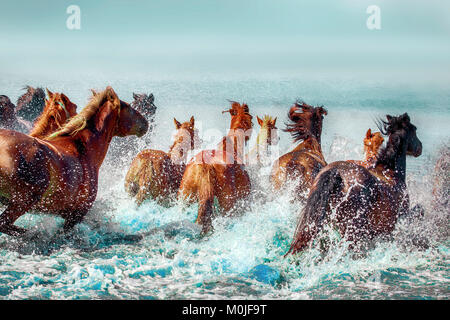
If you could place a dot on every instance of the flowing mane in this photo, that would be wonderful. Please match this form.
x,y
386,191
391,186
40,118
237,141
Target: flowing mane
x,y
304,124
79,122
391,128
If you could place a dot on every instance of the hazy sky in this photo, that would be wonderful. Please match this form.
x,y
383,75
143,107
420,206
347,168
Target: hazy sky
x,y
231,35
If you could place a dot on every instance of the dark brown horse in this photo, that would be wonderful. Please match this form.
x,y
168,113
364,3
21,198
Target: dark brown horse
x,y
8,119
220,173
304,162
361,203
59,175
155,174
372,145
58,109
31,104
145,104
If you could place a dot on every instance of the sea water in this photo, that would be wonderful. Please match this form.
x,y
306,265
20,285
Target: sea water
x,y
122,251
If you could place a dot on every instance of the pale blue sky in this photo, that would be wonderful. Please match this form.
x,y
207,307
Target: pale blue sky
x,y
215,35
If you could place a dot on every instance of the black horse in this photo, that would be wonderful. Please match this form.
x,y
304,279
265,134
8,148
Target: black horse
x,y
361,203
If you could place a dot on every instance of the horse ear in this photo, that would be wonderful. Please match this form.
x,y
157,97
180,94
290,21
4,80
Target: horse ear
x,y
368,133
49,93
192,121
260,122
274,121
389,118
151,97
177,124
135,96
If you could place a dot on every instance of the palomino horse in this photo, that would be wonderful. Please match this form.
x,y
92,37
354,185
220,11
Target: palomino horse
x,y
372,144
59,175
220,173
31,104
304,162
361,203
58,109
155,174
267,136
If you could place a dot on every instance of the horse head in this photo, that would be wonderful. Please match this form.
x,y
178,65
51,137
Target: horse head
x,y
306,121
144,103
31,104
7,112
268,133
240,118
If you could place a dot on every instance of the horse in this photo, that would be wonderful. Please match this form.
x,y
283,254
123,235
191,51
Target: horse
x,y
260,154
304,162
144,103
58,109
155,174
219,173
125,149
361,203
441,179
8,119
372,144
59,175
31,104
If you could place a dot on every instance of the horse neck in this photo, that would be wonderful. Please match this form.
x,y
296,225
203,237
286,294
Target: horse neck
x,y
261,140
178,151
395,161
310,144
229,142
43,127
96,142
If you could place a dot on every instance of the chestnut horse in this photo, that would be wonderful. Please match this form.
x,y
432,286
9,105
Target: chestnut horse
x,y
58,109
372,144
361,203
304,162
155,174
220,173
267,136
59,175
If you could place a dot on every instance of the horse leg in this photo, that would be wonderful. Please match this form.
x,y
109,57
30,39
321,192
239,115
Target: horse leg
x,y
73,219
10,215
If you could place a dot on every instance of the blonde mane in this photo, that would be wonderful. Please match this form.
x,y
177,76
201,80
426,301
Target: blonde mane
x,y
79,122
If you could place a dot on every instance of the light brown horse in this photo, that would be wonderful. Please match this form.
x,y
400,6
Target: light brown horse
x,y
155,174
58,109
220,173
304,162
372,145
267,136
59,175
361,203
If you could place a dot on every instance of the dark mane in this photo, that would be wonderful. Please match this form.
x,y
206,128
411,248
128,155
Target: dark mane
x,y
306,123
144,103
31,103
392,128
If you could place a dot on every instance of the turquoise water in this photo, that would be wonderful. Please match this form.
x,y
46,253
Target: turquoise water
x,y
243,259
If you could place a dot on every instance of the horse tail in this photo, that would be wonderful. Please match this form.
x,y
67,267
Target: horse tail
x,y
134,176
315,211
206,195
